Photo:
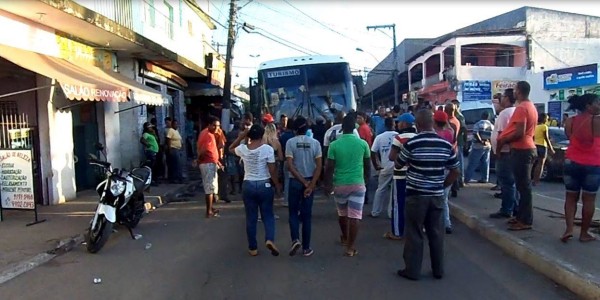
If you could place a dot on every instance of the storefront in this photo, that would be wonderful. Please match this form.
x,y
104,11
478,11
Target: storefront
x,y
69,93
172,87
564,83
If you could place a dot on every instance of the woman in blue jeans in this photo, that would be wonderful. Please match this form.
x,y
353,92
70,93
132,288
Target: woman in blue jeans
x,y
260,174
582,164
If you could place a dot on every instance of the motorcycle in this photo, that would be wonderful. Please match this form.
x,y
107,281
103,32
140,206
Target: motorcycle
x,y
121,200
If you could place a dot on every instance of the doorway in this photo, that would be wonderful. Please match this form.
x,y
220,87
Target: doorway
x,y
85,137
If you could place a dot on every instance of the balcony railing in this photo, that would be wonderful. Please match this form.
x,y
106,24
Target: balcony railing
x,y
120,11
431,80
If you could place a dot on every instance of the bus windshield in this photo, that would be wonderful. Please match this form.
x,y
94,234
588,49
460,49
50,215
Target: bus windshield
x,y
308,90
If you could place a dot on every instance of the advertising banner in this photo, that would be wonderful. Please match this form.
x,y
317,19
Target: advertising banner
x,y
555,109
16,179
571,77
476,90
499,86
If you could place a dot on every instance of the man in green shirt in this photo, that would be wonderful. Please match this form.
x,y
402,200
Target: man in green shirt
x,y
150,142
348,170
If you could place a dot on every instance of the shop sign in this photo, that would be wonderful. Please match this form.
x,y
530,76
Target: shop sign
x,y
571,77
564,94
499,86
16,179
88,93
79,53
476,90
555,109
160,74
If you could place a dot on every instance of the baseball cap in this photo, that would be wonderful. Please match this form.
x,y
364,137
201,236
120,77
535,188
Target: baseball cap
x,y
407,118
268,118
440,116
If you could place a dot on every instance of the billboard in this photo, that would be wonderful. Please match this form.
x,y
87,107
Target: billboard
x,y
476,90
571,77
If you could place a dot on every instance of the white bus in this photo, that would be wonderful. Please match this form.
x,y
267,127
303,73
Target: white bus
x,y
309,86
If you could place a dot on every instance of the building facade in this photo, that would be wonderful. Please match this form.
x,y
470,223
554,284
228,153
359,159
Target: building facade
x,y
81,72
478,61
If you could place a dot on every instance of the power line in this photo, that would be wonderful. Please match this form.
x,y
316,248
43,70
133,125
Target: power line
x,y
319,22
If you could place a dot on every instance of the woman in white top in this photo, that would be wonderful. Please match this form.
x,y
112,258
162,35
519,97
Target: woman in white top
x,y
260,175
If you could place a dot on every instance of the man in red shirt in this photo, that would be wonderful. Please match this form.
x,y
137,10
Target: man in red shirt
x,y
364,130
519,135
209,163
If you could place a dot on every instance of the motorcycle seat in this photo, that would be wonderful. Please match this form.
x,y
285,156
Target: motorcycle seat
x,y
141,177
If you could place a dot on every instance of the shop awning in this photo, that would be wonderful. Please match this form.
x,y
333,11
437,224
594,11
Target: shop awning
x,y
88,83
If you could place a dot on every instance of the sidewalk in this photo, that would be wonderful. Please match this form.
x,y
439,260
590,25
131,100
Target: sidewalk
x,y
23,248
574,265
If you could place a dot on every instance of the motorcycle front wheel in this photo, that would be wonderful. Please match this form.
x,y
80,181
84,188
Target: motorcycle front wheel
x,y
97,237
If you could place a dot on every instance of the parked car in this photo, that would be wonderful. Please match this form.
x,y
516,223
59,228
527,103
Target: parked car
x,y
553,168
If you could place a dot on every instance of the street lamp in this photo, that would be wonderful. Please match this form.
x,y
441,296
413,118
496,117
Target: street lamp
x,y
365,71
373,56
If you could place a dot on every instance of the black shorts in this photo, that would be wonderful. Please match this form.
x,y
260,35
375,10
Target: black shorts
x,y
542,151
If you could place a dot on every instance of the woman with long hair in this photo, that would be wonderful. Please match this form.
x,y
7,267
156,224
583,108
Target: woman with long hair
x,y
582,163
271,138
260,174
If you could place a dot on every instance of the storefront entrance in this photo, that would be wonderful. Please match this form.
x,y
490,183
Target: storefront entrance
x,y
85,137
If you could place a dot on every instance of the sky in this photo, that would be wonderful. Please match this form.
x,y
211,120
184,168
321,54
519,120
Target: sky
x,y
339,27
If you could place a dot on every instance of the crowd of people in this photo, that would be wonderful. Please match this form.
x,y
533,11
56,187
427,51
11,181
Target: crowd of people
x,y
418,157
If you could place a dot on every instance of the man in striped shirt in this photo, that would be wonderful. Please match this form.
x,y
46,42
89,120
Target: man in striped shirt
x,y
406,131
428,157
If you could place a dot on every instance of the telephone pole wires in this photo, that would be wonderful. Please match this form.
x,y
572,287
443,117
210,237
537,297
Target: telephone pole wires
x,y
395,70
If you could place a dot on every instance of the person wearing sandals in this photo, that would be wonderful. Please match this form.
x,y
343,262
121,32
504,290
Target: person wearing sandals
x,y
304,160
519,134
432,167
348,159
582,163
209,163
260,174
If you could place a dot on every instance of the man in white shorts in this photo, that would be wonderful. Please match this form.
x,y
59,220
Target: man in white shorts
x,y
208,160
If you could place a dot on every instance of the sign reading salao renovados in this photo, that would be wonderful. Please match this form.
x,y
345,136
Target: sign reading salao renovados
x,y
476,90
16,179
571,77
89,93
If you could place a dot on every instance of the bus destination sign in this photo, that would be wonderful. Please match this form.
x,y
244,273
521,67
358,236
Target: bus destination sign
x,y
283,73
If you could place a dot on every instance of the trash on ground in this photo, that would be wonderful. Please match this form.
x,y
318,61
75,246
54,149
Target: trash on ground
x,y
137,236
97,280
148,246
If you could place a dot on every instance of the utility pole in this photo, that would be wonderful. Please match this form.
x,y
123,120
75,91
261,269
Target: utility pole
x,y
226,101
395,53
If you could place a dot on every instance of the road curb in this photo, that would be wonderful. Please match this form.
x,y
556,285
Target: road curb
x,y
67,244
23,266
583,284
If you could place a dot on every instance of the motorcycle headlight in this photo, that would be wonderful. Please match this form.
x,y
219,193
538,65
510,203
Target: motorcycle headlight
x,y
117,187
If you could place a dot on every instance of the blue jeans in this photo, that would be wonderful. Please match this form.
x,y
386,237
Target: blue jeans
x,y
506,180
258,195
173,164
286,184
446,209
300,210
479,157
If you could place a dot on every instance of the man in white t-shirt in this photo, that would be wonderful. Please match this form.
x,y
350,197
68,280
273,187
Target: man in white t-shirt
x,y
335,131
504,173
380,152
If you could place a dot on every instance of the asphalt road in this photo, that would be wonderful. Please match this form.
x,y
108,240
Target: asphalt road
x,y
194,258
